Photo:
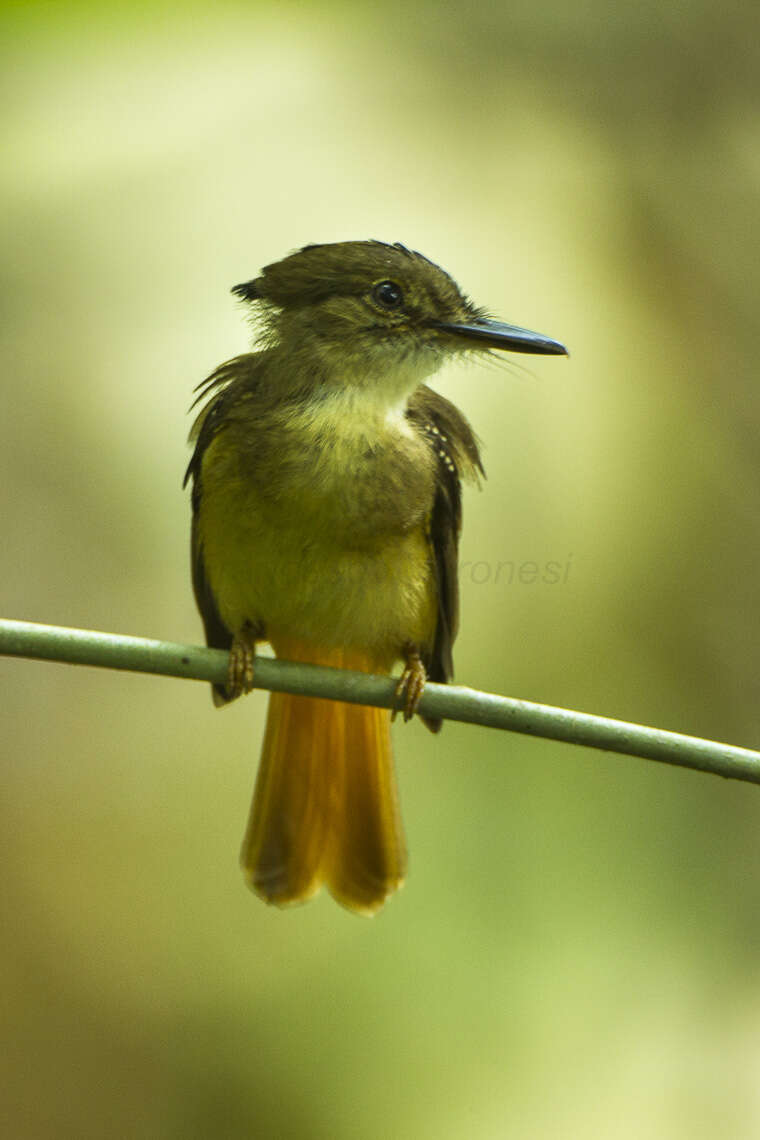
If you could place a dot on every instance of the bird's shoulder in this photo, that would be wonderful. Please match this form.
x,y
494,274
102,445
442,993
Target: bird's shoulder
x,y
448,434
235,383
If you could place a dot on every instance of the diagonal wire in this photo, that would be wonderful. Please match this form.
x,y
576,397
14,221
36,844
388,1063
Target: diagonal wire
x,y
449,702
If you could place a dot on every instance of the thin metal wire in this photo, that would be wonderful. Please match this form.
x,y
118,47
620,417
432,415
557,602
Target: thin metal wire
x,y
449,702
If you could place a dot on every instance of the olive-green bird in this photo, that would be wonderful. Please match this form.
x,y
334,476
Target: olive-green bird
x,y
326,518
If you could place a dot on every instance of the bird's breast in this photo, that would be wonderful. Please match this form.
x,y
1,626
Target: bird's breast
x,y
357,478
321,534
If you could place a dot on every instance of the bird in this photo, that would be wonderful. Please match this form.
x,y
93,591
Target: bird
x,y
326,514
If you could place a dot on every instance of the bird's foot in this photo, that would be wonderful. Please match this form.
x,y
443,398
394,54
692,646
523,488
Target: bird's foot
x,y
411,684
240,669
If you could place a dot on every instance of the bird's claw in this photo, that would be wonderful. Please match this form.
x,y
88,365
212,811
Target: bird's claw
x,y
411,685
240,668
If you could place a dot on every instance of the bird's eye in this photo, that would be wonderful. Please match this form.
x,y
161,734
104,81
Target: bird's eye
x,y
388,294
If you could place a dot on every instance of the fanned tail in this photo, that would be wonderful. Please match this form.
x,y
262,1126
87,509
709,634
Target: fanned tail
x,y
325,808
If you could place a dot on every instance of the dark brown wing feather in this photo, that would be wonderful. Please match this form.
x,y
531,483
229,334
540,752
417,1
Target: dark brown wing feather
x,y
227,380
457,456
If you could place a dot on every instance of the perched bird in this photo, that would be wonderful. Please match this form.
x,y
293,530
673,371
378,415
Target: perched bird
x,y
326,515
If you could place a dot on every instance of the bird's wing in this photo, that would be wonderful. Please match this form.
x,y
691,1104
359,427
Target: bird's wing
x,y
226,382
457,455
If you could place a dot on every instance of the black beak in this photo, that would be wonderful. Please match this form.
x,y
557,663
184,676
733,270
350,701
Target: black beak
x,y
494,334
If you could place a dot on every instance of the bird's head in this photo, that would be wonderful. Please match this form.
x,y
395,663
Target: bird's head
x,y
368,312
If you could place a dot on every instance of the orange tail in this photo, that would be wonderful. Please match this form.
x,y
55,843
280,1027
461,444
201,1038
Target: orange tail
x,y
325,809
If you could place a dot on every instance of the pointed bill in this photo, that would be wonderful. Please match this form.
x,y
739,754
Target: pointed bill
x,y
495,334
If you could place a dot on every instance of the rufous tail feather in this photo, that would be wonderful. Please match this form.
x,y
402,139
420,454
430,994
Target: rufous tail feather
x,y
325,808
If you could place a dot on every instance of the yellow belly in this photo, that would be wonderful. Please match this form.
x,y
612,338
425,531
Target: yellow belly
x,y
300,574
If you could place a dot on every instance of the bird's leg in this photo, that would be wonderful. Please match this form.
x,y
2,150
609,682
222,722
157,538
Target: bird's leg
x,y
242,653
411,684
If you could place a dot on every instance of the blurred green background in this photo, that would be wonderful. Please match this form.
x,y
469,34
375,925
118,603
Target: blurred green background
x,y
577,949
